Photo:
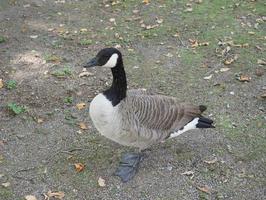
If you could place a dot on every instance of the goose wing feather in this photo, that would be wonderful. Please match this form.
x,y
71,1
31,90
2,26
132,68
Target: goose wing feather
x,y
154,117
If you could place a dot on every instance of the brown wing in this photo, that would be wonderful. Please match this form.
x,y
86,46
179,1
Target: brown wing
x,y
161,112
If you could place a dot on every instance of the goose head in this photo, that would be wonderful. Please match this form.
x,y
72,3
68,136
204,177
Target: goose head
x,y
108,57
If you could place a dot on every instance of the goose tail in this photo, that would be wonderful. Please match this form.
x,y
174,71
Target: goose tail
x,y
204,122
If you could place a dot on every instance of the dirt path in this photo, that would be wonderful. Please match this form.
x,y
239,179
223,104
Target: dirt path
x,y
197,51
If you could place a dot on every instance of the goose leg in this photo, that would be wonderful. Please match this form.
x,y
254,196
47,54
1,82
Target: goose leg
x,y
129,165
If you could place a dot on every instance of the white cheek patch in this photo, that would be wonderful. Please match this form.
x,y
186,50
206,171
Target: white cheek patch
x,y
112,61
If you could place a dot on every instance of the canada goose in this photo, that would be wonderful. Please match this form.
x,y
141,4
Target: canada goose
x,y
136,118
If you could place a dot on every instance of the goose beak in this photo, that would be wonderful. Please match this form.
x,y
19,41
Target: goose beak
x,y
92,63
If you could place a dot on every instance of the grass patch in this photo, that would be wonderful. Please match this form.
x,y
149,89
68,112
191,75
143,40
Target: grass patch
x,y
2,39
16,109
68,100
62,73
85,42
52,58
11,84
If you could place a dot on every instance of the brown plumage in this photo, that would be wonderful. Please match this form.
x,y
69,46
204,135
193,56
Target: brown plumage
x,y
150,119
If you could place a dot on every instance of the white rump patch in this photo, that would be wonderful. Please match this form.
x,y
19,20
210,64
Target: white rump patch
x,y
112,61
191,125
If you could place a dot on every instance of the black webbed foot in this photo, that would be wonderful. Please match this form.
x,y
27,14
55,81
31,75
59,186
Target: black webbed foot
x,y
129,166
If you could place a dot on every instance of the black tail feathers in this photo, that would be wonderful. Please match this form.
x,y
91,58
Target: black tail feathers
x,y
204,123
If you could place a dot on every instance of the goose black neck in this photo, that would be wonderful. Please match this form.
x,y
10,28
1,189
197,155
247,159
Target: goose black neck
x,y
117,91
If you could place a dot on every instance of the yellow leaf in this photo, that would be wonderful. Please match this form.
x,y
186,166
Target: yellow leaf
x,y
146,1
81,106
83,126
1,83
101,182
30,197
56,195
79,167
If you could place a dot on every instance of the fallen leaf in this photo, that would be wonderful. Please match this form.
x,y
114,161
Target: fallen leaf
x,y
261,62
230,60
169,55
224,69
30,197
207,77
189,9
57,195
146,1
33,36
39,120
1,83
226,50
81,106
112,19
7,184
263,95
101,182
251,33
159,21
85,73
204,44
193,43
83,126
187,173
148,27
83,30
204,189
244,78
211,161
79,167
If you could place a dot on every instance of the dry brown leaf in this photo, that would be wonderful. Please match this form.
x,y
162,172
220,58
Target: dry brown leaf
x,y
204,189
207,77
79,167
85,73
230,60
189,9
261,62
146,1
81,106
263,95
204,44
30,197
83,30
1,83
40,120
224,69
148,27
187,173
6,184
193,43
244,78
101,182
211,161
56,195
83,126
